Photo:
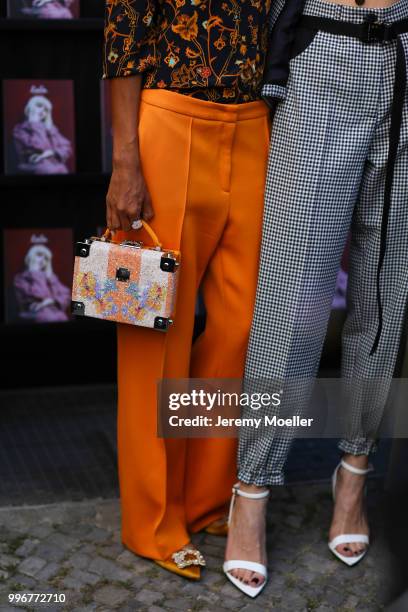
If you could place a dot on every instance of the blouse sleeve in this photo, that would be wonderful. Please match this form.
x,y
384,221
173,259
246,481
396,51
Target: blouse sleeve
x,y
30,287
26,139
61,146
127,24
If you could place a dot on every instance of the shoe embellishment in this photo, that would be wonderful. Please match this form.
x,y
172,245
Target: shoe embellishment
x,y
186,557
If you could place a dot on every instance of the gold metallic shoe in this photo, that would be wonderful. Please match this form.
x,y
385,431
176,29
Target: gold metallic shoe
x,y
186,562
218,527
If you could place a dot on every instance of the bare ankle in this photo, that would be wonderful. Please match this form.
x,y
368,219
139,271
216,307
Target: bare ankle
x,y
251,488
358,461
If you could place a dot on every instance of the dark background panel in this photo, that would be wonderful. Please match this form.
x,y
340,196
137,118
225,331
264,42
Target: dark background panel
x,y
28,351
61,54
81,351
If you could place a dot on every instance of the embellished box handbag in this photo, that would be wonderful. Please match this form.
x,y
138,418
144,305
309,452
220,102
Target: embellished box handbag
x,y
126,282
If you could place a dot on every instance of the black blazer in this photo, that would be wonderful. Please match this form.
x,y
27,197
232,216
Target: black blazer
x,y
284,16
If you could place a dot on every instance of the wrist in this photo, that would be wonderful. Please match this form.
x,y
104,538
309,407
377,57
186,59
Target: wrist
x,y
126,167
124,163
126,153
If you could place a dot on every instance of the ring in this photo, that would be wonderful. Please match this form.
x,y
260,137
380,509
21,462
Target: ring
x,y
137,224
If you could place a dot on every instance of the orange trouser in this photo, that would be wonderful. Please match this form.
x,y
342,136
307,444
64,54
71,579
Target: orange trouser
x,y
204,165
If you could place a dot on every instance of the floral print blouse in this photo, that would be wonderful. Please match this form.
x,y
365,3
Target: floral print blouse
x,y
209,49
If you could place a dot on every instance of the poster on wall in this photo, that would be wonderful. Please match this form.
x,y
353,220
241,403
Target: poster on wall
x,y
106,127
38,268
39,126
43,9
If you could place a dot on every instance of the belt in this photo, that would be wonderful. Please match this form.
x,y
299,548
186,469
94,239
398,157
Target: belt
x,y
369,31
374,31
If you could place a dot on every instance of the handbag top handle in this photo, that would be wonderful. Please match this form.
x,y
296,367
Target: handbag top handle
x,y
108,233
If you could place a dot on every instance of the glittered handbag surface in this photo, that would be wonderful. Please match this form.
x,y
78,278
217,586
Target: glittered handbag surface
x,y
125,282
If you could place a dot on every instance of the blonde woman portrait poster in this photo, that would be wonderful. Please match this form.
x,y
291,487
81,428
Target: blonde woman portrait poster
x,y
43,9
38,275
39,127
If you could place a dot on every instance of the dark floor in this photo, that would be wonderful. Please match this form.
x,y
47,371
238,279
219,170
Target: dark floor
x,y
59,444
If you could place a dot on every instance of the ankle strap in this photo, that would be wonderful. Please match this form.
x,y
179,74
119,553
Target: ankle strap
x,y
236,490
355,470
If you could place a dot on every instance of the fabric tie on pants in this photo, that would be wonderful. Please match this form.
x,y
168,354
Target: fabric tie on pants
x,y
400,88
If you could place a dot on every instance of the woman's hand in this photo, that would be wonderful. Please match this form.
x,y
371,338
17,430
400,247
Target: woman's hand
x,y
128,198
37,306
35,158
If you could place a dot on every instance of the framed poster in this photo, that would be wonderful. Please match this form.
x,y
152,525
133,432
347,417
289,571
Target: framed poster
x,y
39,126
38,268
43,9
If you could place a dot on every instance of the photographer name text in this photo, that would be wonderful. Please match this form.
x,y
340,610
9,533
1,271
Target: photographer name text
x,y
266,421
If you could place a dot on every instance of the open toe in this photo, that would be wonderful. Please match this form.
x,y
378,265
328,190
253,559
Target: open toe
x,y
339,545
253,579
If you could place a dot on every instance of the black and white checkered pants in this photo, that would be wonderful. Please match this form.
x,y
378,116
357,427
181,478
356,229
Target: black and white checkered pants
x,y
326,176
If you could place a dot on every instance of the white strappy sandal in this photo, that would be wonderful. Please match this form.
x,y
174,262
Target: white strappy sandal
x,y
239,564
348,538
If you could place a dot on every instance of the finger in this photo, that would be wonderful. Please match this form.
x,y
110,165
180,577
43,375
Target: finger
x,y
111,218
108,216
115,220
129,222
125,223
148,212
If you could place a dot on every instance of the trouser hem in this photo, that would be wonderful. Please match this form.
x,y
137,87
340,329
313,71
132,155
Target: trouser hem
x,y
358,447
262,480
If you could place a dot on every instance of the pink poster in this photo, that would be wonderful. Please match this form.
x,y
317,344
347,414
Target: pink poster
x,y
43,9
38,266
39,126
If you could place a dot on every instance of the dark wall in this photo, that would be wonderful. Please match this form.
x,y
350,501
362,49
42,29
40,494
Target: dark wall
x,y
78,351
